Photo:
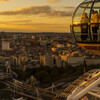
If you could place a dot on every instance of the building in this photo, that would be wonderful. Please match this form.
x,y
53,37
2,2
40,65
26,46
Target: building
x,y
47,60
5,71
64,58
59,62
0,44
92,61
52,61
75,61
60,46
5,46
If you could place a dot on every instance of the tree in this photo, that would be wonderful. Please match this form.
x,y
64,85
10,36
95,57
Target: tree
x,y
61,70
41,75
2,85
6,95
55,74
47,80
29,72
47,69
65,75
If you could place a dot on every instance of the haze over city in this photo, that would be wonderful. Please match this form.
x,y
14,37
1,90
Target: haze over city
x,y
36,15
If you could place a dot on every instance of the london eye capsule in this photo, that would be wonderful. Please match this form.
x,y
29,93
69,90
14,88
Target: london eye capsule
x,y
86,25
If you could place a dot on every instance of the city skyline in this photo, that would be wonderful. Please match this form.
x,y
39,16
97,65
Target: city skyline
x,y
36,16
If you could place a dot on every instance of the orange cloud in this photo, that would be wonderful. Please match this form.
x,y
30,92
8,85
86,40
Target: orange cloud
x,y
11,2
53,1
38,10
7,0
3,0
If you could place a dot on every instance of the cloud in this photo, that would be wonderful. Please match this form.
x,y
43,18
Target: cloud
x,y
27,23
40,24
11,2
38,10
15,21
69,7
59,14
28,11
7,0
53,1
3,0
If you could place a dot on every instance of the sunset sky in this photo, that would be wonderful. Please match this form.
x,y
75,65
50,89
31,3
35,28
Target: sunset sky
x,y
36,15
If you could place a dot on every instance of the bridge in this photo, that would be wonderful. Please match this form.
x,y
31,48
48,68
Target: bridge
x,y
55,85
88,83
29,91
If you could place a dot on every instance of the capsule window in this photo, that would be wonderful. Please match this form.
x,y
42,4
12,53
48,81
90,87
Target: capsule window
x,y
95,20
80,23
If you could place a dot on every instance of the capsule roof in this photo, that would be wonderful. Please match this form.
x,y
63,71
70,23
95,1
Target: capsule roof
x,y
90,0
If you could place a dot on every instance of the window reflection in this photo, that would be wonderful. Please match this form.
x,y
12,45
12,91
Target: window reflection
x,y
84,8
86,22
86,19
95,20
81,17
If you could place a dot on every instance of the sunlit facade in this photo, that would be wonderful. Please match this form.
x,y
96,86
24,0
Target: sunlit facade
x,y
86,25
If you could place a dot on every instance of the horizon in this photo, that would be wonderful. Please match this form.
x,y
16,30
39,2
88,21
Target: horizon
x,y
35,32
